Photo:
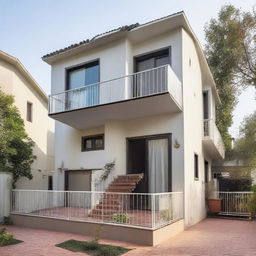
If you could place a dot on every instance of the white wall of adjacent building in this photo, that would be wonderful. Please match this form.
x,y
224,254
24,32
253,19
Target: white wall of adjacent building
x,y
40,130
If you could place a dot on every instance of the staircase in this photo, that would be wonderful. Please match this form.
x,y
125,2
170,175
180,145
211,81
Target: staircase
x,y
112,202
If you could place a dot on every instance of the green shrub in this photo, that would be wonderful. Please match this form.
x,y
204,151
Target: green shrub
x,y
120,218
5,238
252,203
166,215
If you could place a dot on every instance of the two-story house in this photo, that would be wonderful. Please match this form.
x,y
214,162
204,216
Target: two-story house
x,y
142,97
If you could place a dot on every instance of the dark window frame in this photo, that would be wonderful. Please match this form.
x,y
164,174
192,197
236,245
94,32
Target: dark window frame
x,y
206,171
93,138
50,182
29,116
87,64
152,54
196,166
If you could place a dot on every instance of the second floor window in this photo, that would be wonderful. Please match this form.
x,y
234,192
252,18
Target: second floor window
x,y
83,75
86,76
29,111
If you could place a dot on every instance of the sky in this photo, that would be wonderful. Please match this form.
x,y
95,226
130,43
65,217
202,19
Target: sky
x,y
30,29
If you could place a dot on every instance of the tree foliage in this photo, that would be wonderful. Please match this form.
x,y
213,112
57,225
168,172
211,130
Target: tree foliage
x,y
231,54
245,146
16,148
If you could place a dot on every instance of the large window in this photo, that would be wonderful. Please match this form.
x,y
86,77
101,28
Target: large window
x,y
83,75
95,142
196,171
153,80
88,77
152,60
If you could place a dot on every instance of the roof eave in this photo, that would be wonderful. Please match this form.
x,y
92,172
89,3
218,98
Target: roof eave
x,y
16,63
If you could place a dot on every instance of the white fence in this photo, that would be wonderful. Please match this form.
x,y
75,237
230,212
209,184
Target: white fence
x,y
150,82
5,194
235,203
133,209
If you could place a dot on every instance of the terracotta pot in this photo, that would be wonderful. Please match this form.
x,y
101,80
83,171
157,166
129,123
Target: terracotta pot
x,y
214,205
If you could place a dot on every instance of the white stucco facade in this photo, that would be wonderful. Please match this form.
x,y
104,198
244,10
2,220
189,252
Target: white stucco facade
x,y
16,81
116,59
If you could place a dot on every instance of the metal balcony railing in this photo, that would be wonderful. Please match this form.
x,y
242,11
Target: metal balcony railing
x,y
150,211
235,203
146,83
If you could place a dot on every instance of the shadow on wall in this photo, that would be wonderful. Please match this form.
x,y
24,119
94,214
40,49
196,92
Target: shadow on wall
x,y
42,167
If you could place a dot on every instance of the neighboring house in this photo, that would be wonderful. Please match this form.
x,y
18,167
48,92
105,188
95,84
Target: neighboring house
x,y
142,96
32,104
234,175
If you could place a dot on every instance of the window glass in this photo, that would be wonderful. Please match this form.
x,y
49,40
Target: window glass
x,y
161,61
92,75
85,75
77,78
98,143
88,143
93,143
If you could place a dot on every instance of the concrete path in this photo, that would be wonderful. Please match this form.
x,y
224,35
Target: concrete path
x,y
211,237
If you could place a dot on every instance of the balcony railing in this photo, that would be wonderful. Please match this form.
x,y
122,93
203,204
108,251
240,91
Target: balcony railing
x,y
235,203
211,131
149,211
142,84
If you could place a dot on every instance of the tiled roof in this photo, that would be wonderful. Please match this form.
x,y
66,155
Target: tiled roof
x,y
87,41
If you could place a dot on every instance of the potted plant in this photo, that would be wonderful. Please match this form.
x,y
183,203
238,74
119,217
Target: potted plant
x,y
213,202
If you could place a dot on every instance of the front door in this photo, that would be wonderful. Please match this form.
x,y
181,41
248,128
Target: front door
x,y
152,157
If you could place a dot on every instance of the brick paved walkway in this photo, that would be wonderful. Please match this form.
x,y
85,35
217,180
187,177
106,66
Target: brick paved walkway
x,y
211,237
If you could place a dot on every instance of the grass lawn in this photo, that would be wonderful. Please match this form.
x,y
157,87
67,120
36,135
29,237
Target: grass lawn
x,y
11,242
92,248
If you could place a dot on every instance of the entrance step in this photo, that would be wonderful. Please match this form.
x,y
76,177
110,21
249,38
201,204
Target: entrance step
x,y
112,203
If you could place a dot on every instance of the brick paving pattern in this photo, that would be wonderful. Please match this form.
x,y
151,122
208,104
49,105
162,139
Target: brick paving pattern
x,y
211,237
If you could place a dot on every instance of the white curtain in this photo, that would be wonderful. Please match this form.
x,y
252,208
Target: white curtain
x,y
158,165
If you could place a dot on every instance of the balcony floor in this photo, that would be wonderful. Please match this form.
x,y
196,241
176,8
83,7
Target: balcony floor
x,y
123,110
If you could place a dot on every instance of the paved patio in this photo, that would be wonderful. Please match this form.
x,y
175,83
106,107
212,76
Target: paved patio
x,y
211,237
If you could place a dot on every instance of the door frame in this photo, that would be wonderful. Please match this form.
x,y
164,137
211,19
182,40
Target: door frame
x,y
153,137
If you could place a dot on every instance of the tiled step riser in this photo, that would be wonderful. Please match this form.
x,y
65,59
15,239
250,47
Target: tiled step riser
x,y
112,203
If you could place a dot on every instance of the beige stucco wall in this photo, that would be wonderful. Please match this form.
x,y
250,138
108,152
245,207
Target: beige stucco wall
x,y
40,130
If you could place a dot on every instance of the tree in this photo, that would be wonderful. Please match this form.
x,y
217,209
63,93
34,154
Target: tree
x,y
16,148
231,54
245,146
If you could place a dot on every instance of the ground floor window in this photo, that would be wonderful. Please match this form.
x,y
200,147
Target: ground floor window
x,y
95,142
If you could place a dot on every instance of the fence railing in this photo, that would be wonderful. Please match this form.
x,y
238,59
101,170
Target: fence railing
x,y
235,203
212,131
143,210
150,82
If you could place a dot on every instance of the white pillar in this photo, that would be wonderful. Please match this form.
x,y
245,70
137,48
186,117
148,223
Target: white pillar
x,y
5,194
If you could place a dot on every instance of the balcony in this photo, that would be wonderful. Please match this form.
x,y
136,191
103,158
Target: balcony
x,y
212,140
151,92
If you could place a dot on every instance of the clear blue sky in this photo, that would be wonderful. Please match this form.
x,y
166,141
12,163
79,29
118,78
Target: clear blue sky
x,y
31,28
